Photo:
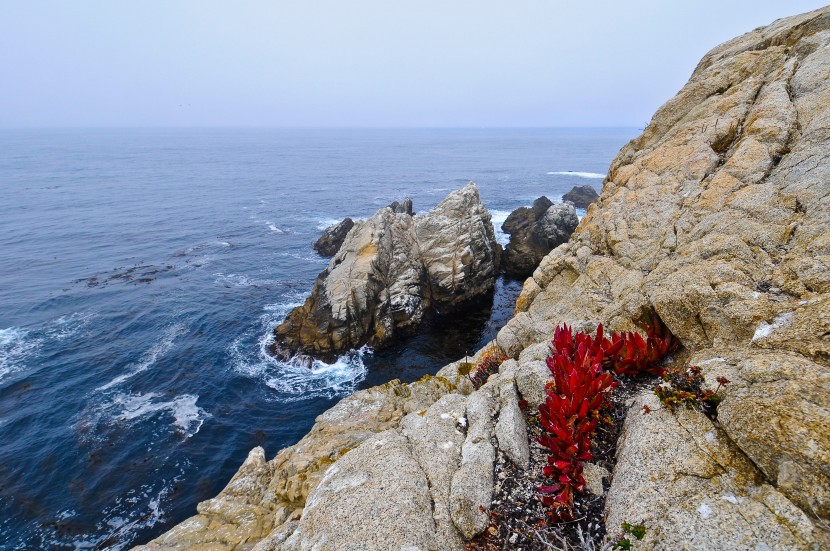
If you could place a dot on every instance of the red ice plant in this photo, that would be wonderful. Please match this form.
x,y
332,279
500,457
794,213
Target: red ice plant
x,y
569,413
579,390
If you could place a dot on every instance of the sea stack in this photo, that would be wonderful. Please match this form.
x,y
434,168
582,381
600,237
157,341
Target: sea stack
x,y
581,196
393,270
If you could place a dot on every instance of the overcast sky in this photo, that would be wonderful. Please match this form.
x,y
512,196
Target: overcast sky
x,y
388,63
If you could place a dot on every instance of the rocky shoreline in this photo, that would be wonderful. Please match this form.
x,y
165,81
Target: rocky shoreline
x,y
717,218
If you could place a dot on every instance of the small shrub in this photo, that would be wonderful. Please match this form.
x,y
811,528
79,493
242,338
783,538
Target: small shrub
x,y
636,530
488,364
684,387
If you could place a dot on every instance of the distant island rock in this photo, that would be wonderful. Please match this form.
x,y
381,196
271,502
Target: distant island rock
x,y
333,237
534,232
391,271
581,196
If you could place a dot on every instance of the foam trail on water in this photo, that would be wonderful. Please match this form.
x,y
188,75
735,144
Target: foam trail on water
x,y
150,357
129,408
578,174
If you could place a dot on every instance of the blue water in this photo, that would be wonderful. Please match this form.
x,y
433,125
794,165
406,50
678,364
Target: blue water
x,y
142,272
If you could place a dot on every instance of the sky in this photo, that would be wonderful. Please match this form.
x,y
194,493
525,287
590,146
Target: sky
x,y
357,63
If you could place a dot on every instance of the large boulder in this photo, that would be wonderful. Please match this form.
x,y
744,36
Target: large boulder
x,y
534,232
332,239
581,196
391,272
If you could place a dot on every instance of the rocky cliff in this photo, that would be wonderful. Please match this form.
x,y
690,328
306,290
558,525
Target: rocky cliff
x,y
718,217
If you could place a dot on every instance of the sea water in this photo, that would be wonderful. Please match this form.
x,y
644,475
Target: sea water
x,y
141,274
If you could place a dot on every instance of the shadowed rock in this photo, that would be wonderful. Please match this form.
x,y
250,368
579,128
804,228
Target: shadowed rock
x,y
333,237
534,232
581,196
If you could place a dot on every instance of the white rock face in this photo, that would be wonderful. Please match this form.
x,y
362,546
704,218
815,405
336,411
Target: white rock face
x,y
511,428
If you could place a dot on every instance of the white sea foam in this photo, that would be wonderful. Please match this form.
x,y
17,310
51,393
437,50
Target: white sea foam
x,y
150,357
294,382
187,416
592,175
498,217
139,508
242,280
122,408
18,345
15,347
306,257
325,223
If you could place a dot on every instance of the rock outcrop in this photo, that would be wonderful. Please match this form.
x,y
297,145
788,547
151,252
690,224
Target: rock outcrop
x,y
534,232
404,207
391,272
718,218
581,196
332,239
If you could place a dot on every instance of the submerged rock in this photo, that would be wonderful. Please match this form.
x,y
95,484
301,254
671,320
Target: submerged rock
x,y
392,271
333,237
581,196
534,232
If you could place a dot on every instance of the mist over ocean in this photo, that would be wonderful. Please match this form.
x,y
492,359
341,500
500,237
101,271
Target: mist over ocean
x,y
141,272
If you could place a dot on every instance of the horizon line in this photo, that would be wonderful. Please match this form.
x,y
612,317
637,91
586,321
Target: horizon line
x,y
276,127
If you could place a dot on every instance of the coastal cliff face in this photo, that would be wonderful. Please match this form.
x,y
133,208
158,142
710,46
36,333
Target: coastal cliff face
x,y
391,271
718,218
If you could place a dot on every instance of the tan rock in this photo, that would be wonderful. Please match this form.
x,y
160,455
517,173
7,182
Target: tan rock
x,y
692,488
776,408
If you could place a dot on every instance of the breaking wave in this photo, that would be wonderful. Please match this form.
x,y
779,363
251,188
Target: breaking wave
x,y
293,381
592,175
498,217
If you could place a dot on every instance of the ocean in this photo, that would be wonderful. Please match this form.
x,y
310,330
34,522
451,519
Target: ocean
x,y
142,273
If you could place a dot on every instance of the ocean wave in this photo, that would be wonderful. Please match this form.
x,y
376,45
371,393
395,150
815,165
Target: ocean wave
x,y
126,409
150,357
18,345
578,174
137,509
250,357
325,223
498,217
